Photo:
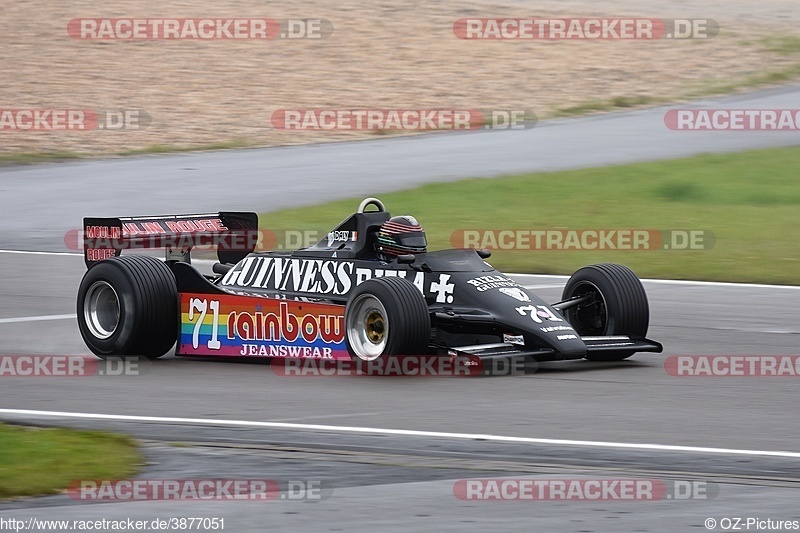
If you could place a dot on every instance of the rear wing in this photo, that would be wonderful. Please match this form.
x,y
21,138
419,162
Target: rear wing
x,y
233,234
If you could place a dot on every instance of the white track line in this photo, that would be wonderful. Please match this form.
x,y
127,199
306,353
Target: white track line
x,y
35,318
533,276
39,253
401,432
670,282
719,284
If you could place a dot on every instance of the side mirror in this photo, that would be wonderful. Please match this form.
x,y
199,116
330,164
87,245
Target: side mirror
x,y
221,268
484,253
406,259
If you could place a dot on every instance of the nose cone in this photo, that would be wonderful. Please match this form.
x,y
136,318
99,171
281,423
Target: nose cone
x,y
522,310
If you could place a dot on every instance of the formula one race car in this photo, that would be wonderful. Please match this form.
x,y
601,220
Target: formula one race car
x,y
368,290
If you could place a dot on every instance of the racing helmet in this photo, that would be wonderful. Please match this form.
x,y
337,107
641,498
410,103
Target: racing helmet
x,y
402,235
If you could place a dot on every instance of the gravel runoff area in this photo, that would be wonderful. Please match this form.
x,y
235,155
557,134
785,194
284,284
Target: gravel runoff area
x,y
380,54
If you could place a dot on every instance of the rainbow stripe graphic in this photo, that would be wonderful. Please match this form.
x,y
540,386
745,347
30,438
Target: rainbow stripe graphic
x,y
248,326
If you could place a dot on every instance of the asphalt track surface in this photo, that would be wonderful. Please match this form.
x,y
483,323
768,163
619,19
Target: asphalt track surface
x,y
41,203
391,448
397,481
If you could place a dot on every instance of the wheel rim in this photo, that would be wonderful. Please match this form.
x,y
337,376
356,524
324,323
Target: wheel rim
x,y
367,327
101,309
590,318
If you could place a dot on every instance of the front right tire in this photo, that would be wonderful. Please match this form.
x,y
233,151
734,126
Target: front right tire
x,y
617,305
386,316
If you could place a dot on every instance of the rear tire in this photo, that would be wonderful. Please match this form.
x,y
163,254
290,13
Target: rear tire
x,y
386,316
618,305
128,306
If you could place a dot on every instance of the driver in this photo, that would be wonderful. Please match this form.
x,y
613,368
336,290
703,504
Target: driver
x,y
401,235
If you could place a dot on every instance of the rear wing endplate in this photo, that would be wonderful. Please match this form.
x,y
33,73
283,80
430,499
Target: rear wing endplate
x,y
233,234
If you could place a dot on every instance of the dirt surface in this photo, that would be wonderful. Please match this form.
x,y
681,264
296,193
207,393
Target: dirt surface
x,y
380,55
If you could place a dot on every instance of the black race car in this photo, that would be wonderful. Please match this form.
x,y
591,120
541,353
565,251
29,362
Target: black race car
x,y
368,290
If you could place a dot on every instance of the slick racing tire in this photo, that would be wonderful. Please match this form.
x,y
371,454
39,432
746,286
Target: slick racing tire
x,y
386,316
618,305
128,306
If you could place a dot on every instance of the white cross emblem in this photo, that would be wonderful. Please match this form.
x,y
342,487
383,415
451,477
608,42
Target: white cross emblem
x,y
443,289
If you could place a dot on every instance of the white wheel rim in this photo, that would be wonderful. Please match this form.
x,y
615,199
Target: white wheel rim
x,y
101,309
367,327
